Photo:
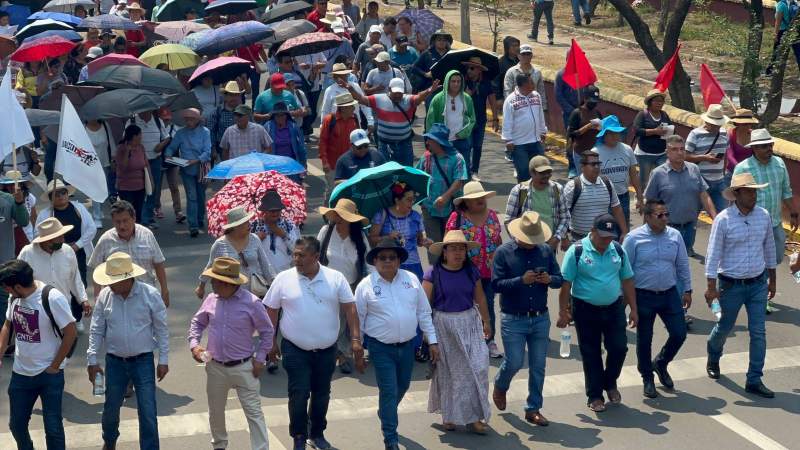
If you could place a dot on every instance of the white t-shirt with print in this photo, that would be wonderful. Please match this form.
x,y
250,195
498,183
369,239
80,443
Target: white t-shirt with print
x,y
616,163
36,341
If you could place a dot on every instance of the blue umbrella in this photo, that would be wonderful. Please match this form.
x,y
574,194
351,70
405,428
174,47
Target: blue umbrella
x,y
17,14
193,40
370,189
66,34
108,21
255,163
233,36
68,19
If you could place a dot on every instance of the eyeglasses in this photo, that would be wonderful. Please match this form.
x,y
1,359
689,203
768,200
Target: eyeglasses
x,y
662,215
386,258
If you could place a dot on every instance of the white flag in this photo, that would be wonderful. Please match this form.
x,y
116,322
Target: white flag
x,y
76,159
15,130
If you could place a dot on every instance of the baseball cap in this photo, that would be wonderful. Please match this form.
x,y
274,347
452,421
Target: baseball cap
x,y
540,163
289,77
242,110
397,85
525,48
95,52
375,29
591,94
401,40
277,81
358,137
606,226
382,57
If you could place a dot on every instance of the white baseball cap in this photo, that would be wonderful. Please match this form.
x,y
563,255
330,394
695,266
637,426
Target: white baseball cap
x,y
525,48
397,85
383,57
375,29
358,137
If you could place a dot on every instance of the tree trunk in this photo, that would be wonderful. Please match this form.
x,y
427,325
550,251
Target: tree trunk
x,y
775,95
593,6
662,23
465,25
751,68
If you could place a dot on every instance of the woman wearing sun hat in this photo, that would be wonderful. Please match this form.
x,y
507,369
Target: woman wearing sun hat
x,y
650,128
738,140
461,321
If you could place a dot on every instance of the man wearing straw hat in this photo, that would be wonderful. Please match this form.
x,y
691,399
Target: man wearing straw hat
x,y
524,268
223,117
123,302
740,271
342,75
768,168
232,315
706,146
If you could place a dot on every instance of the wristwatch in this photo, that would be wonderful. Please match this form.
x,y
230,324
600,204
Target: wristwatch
x,y
689,291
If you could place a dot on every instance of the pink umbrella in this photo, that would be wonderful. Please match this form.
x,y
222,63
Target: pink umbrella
x,y
222,69
39,49
113,59
176,31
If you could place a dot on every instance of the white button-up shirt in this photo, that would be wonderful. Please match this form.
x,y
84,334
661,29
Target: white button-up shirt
x,y
58,269
390,311
310,306
142,247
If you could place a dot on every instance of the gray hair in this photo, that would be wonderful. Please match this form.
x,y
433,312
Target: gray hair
x,y
675,140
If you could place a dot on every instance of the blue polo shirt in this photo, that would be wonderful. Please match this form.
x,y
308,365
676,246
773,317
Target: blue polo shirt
x,y
596,279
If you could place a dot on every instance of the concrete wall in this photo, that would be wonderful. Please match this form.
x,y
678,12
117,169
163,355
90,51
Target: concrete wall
x,y
731,9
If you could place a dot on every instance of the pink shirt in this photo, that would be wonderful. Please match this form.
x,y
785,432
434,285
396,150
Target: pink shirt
x,y
131,176
736,153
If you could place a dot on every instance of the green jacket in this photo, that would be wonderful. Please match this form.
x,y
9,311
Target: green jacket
x,y
436,108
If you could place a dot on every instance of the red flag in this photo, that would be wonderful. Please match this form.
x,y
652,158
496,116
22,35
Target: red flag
x,y
664,78
578,72
710,87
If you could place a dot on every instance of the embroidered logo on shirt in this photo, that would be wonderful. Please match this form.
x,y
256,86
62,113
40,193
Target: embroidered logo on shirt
x,y
407,285
376,290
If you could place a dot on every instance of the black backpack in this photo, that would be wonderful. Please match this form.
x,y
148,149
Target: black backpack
x,y
46,305
576,193
579,252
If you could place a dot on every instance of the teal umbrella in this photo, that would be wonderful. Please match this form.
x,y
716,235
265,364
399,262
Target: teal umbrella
x,y
370,189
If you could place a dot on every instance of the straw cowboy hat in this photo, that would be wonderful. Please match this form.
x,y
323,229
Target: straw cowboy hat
x,y
653,93
50,228
227,270
54,185
387,243
232,87
452,237
118,267
136,7
346,209
330,18
760,136
714,115
340,69
529,229
345,99
743,116
475,61
742,180
472,190
236,217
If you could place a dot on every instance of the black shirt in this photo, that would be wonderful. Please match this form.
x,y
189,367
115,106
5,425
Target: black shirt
x,y
347,165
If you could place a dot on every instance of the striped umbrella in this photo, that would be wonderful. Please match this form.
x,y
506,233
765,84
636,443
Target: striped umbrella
x,y
232,36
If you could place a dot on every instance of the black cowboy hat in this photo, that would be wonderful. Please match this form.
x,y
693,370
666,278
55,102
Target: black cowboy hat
x,y
387,243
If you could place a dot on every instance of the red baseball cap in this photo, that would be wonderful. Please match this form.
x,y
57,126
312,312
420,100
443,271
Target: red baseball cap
x,y
276,81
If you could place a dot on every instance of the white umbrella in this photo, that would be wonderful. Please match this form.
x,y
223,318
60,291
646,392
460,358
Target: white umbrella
x,y
68,6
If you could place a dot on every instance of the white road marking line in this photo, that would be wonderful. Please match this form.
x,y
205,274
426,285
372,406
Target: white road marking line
x,y
744,430
314,170
181,425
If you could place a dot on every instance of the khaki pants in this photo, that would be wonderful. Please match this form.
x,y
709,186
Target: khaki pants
x,y
222,379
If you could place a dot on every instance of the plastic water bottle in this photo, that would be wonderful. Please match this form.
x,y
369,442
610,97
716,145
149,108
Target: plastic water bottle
x,y
205,356
566,340
99,388
716,309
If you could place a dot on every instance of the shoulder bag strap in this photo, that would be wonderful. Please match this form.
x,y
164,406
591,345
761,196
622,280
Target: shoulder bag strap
x,y
441,171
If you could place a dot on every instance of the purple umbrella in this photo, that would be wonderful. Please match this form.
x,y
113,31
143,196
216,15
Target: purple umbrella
x,y
424,20
231,37
222,69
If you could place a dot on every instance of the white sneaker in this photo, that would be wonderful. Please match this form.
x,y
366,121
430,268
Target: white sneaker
x,y
475,177
80,327
494,352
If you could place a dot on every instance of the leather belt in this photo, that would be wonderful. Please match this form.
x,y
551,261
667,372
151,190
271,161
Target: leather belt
x,y
233,363
741,281
528,313
130,358
651,292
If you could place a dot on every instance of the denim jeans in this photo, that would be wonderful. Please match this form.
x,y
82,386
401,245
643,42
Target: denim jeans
x,y
595,325
393,367
476,139
464,146
22,394
399,151
540,8
152,200
142,373
309,374
488,291
195,200
625,203
688,232
646,165
731,298
521,155
308,121
577,5
517,331
255,85
779,234
667,306
715,189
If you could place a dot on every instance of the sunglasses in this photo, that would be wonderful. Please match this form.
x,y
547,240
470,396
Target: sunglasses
x,y
662,215
386,258
362,146
593,164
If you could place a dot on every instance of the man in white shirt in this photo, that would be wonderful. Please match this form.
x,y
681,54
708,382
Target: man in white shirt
x,y
311,296
391,304
311,67
524,127
42,341
378,78
55,264
341,74
154,140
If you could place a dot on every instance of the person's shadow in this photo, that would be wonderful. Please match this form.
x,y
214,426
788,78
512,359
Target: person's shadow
x,y
623,416
684,402
559,433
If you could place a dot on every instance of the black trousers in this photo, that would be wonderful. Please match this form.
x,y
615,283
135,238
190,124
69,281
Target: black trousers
x,y
666,305
309,374
596,326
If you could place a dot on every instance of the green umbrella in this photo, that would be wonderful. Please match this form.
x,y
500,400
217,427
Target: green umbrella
x,y
176,10
370,189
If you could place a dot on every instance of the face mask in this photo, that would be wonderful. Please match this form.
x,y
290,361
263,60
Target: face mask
x,y
56,246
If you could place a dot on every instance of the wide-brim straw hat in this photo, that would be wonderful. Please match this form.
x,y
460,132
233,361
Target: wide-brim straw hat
x,y
118,267
742,180
760,136
49,229
54,185
475,61
653,93
529,229
340,69
345,99
232,87
714,115
227,270
236,217
743,116
135,6
452,237
473,190
346,209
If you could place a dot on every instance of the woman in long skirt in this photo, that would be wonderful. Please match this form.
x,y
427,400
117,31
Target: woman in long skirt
x,y
460,383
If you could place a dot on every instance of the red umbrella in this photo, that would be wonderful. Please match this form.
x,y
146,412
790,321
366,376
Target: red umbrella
x,y
113,59
221,69
43,48
309,43
247,191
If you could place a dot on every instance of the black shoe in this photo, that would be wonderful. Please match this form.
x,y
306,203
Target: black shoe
x,y
319,443
550,42
193,233
588,19
577,24
662,374
712,369
759,389
532,37
299,443
649,389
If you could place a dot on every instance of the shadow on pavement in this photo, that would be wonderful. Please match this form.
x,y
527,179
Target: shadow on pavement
x,y
684,402
623,416
556,433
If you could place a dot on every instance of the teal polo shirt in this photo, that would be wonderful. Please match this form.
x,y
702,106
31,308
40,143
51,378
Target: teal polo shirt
x,y
596,279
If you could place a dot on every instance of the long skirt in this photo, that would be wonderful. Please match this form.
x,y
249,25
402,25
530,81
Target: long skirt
x,y
460,383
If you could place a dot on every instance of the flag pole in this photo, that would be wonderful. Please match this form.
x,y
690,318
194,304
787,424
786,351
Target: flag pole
x,y
14,173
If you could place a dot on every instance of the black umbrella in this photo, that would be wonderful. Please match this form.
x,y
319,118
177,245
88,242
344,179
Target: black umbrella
x,y
186,100
231,6
455,59
121,103
136,77
288,29
285,11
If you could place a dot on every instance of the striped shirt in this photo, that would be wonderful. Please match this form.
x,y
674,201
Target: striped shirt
x,y
699,142
593,201
740,246
392,123
779,189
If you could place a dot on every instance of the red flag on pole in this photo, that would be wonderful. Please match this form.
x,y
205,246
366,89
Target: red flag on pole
x,y
578,72
710,87
664,78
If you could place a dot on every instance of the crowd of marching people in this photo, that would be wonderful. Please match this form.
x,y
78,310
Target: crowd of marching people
x,y
411,258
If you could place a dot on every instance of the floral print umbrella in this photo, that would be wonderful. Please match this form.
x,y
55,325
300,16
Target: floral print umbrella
x,y
247,191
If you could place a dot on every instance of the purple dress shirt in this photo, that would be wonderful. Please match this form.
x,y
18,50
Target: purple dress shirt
x,y
230,324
